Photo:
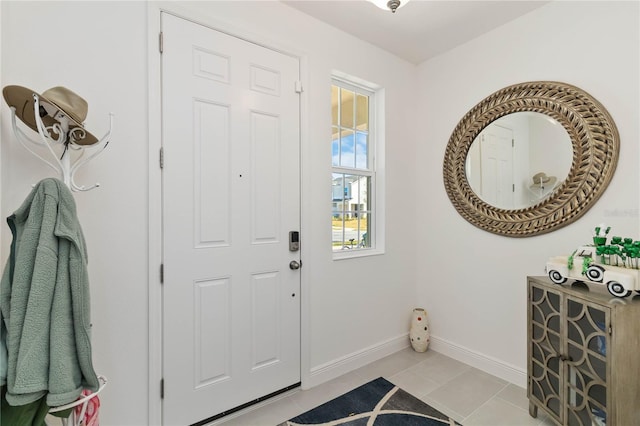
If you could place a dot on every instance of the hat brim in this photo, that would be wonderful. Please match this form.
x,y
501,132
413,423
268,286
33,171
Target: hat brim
x,y
547,185
539,178
21,98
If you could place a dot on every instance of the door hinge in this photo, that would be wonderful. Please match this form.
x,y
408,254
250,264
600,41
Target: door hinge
x,y
161,388
161,42
162,273
610,330
513,143
298,86
513,189
162,158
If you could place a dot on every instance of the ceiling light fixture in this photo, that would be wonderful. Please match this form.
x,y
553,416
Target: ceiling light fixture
x,y
391,5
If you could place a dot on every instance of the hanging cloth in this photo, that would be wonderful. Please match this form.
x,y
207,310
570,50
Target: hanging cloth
x,y
87,413
44,301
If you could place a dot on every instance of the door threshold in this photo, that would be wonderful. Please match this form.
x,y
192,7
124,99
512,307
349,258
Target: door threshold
x,y
246,405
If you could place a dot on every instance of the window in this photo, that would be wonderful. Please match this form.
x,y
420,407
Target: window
x,y
353,185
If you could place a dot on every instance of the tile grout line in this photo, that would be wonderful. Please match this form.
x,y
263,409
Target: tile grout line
x,y
495,395
540,419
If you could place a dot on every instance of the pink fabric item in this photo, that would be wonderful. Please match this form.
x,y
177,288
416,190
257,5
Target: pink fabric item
x,y
91,414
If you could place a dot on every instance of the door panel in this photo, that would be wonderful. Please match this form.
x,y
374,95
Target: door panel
x,y
212,176
496,156
231,305
211,326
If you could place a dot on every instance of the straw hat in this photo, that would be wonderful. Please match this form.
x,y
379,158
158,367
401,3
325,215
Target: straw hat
x,y
54,104
541,180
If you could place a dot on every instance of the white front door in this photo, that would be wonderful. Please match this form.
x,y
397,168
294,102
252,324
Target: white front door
x,y
496,157
231,194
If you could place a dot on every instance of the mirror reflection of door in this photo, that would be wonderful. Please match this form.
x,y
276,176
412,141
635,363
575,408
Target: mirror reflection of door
x,y
496,157
492,174
541,146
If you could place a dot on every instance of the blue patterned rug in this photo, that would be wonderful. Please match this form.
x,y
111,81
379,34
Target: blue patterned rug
x,y
378,403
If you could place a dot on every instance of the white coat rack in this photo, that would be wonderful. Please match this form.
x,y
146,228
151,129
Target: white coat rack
x,y
77,418
66,140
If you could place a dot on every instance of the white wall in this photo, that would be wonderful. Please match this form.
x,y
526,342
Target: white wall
x,y
100,55
473,282
103,56
552,151
1,125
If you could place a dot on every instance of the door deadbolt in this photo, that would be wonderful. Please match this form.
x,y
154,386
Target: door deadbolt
x,y
294,241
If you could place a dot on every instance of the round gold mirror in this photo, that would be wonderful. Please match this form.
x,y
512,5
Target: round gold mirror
x,y
594,146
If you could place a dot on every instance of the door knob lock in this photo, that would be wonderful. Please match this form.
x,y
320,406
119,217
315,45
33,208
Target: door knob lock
x,y
294,264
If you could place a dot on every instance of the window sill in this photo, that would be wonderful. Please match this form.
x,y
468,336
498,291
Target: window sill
x,y
351,254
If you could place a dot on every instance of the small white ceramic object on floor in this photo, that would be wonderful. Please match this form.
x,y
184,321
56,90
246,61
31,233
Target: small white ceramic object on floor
x,y
419,332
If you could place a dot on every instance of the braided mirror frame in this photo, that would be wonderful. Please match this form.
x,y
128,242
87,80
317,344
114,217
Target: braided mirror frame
x,y
595,141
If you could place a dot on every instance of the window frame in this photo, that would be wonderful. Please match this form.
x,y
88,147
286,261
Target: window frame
x,y
375,170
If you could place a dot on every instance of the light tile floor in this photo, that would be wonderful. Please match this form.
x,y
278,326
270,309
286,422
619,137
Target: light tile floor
x,y
468,395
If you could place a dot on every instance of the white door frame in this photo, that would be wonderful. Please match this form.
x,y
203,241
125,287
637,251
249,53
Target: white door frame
x,y
155,190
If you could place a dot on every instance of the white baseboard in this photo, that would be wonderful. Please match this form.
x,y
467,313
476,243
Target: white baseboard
x,y
343,365
501,369
338,367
